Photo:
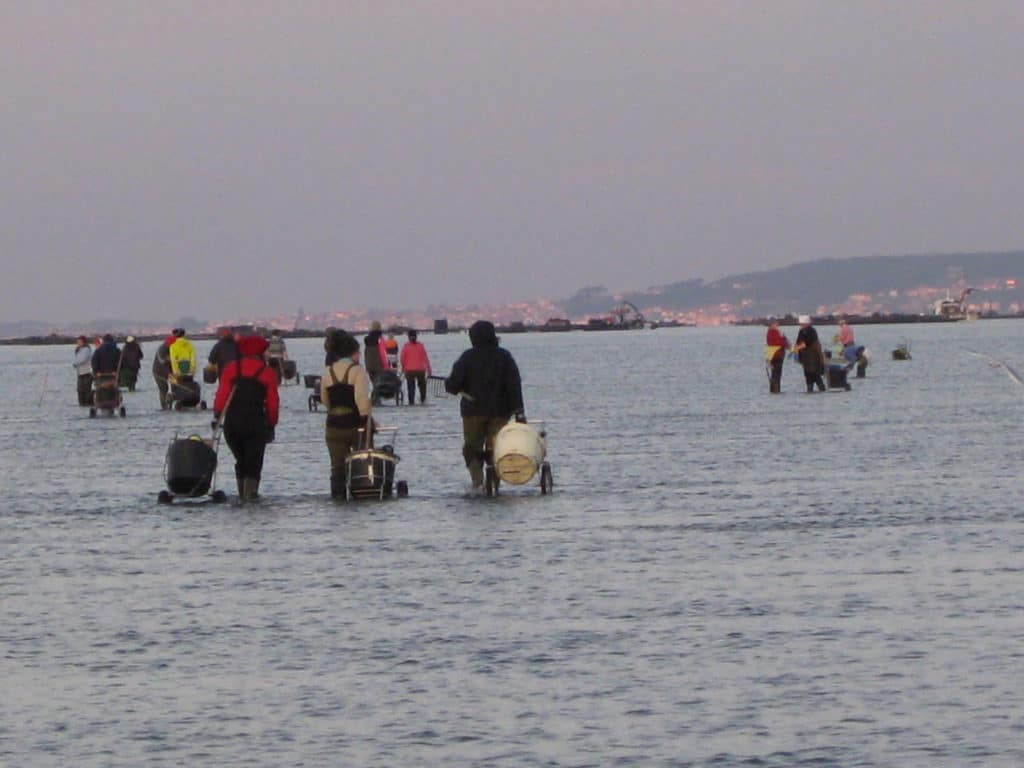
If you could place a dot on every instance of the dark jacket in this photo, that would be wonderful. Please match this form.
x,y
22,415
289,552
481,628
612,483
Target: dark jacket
x,y
106,358
486,376
811,357
162,361
224,351
371,355
131,356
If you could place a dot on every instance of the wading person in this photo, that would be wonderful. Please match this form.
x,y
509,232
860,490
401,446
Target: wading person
x,y
810,354
391,350
345,392
487,377
277,353
247,404
107,357
416,367
183,356
162,371
845,335
83,370
375,359
224,351
776,345
131,362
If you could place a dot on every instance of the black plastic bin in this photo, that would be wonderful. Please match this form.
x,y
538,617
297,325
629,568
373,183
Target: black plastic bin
x,y
371,473
186,392
837,377
191,464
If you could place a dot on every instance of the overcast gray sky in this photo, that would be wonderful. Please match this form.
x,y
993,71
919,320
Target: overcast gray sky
x,y
165,158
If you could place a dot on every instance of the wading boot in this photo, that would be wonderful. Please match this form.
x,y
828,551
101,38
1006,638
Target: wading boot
x,y
337,486
250,488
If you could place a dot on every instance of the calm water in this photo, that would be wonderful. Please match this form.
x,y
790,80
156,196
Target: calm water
x,y
720,578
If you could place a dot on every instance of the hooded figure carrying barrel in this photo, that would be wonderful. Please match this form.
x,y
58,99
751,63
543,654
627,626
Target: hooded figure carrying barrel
x,y
488,379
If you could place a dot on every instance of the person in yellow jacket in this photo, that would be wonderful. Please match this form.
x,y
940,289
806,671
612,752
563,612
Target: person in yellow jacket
x,y
182,355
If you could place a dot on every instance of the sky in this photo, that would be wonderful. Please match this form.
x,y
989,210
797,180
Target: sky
x,y
227,158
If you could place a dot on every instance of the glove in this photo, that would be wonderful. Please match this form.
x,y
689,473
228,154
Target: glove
x,y
270,434
520,418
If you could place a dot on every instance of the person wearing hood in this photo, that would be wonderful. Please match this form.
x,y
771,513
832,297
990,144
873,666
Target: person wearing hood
x,y
131,362
107,358
162,371
488,379
376,357
83,370
224,351
247,404
810,354
345,391
415,366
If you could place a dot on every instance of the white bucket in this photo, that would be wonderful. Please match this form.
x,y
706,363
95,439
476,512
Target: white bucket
x,y
518,452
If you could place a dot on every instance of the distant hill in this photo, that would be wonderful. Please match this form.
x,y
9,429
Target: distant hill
x,y
866,284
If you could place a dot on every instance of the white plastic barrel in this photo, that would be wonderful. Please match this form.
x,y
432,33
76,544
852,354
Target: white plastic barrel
x,y
518,452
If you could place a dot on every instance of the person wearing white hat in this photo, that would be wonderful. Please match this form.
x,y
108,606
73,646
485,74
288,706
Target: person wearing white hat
x,y
810,354
131,362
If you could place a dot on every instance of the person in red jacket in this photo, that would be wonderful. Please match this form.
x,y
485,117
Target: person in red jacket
x,y
776,345
416,367
247,404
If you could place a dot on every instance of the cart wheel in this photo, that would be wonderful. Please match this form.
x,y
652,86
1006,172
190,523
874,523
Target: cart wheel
x,y
92,413
164,497
202,405
218,497
402,488
123,412
546,480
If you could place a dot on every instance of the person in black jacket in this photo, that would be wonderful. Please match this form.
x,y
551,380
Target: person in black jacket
x,y
107,357
224,351
487,377
131,362
812,358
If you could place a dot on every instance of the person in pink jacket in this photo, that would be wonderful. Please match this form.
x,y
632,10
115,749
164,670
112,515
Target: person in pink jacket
x,y
416,367
845,334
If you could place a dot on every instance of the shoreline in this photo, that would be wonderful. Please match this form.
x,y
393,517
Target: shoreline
x,y
56,339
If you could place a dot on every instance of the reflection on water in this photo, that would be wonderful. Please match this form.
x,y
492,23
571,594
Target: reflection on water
x,y
721,577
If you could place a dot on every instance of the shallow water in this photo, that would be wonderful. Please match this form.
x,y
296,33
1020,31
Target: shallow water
x,y
720,578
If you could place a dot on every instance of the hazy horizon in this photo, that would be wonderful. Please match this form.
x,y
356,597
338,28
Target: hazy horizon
x,y
163,161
